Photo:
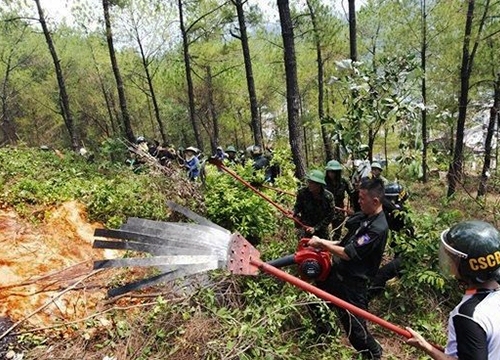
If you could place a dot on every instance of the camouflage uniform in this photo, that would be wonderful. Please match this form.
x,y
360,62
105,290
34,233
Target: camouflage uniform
x,y
339,191
317,213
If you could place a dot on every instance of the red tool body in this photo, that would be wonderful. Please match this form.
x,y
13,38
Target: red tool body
x,y
244,259
314,264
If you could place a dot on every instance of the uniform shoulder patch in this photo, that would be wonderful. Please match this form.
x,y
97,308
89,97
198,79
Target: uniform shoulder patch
x,y
363,240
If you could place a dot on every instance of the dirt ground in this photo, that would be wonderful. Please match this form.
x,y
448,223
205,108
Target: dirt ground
x,y
38,262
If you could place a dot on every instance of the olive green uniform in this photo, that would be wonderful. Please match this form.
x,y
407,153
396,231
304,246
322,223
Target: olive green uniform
x,y
315,212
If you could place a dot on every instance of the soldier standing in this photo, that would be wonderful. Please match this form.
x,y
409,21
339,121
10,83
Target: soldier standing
x,y
315,206
339,187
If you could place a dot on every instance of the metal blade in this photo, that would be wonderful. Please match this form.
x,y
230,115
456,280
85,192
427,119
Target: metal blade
x,y
194,216
151,249
169,230
190,260
151,240
167,276
189,235
179,249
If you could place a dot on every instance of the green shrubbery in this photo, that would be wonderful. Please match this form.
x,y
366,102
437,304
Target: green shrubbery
x,y
32,177
250,317
236,207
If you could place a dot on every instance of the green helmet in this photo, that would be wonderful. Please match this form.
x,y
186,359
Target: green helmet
x,y
317,176
231,149
333,165
472,249
376,165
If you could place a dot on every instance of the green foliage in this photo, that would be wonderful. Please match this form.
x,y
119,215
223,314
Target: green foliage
x,y
237,208
374,97
422,273
31,177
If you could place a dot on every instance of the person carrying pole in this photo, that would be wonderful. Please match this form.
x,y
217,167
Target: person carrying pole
x,y
315,206
470,251
357,258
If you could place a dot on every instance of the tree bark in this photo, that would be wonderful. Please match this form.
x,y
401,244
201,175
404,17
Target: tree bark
x,y
327,144
353,48
252,95
489,137
7,124
149,79
63,95
107,97
423,65
127,126
456,167
189,78
214,139
296,136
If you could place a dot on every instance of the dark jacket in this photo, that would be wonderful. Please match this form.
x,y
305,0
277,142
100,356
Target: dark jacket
x,y
317,213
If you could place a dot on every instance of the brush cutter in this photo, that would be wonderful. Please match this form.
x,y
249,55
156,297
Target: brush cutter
x,y
183,249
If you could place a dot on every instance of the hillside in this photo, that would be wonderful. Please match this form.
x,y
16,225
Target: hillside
x,y
58,305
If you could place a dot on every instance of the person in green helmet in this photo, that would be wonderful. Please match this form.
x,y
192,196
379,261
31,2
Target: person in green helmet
x,y
339,187
315,206
231,158
376,172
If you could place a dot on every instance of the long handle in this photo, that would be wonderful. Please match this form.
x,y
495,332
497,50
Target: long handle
x,y
285,212
281,191
267,268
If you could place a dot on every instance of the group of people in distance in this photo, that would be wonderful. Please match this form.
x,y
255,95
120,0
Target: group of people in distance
x,y
470,251
192,158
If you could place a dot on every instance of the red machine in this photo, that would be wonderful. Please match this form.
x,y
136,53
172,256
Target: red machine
x,y
314,264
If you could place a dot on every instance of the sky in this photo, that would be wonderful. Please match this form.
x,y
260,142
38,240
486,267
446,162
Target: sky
x,y
61,9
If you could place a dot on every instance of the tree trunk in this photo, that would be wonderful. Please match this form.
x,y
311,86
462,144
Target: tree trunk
x,y
189,79
149,78
352,31
455,169
485,174
296,137
7,124
386,157
63,95
423,59
105,94
327,144
214,139
371,142
129,134
255,121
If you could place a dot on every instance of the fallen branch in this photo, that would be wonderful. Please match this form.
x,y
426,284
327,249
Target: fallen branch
x,y
122,308
48,303
32,281
85,318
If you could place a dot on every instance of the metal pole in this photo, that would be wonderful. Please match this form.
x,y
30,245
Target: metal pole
x,y
267,268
